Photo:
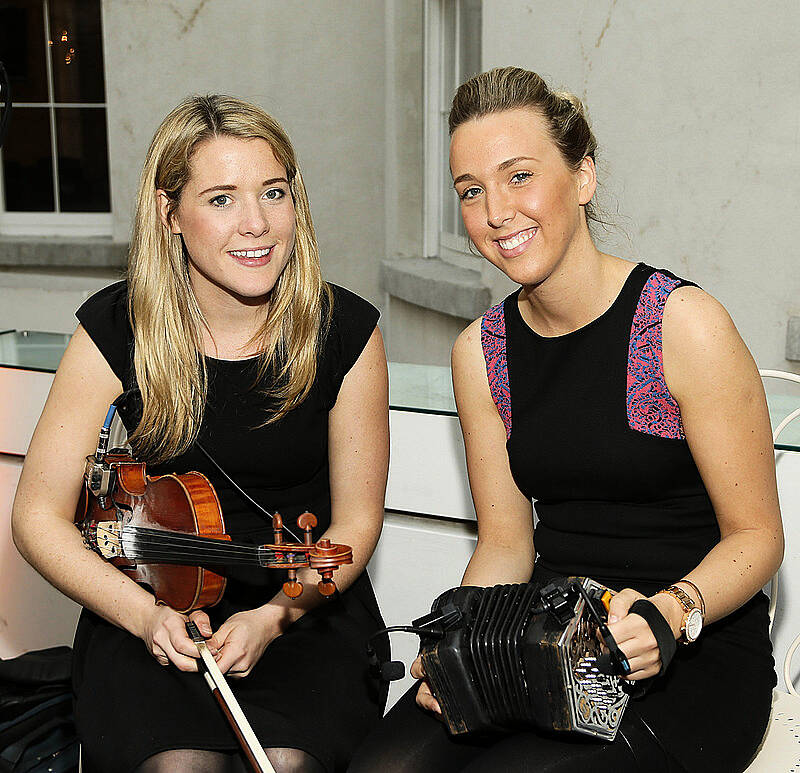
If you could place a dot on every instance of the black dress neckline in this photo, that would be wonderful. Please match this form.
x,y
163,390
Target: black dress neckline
x,y
513,308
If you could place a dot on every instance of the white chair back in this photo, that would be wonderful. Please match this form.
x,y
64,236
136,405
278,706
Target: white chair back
x,y
773,585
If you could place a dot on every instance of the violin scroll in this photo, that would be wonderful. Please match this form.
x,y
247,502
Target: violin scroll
x,y
324,556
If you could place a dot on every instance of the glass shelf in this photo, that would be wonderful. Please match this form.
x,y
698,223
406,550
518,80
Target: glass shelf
x,y
32,350
415,388
421,388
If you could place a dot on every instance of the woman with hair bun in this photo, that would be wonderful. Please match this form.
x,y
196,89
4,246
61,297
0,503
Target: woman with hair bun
x,y
623,400
230,347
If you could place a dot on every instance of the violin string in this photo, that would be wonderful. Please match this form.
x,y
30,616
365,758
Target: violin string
x,y
241,490
199,541
179,539
131,540
141,543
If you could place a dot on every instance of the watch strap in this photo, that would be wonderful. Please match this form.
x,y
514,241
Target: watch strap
x,y
699,595
687,603
682,597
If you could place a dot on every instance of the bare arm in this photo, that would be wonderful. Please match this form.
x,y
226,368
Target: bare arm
x,y
44,507
712,376
504,553
358,451
715,381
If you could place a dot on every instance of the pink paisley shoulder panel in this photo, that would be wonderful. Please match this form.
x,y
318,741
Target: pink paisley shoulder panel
x,y
651,408
493,341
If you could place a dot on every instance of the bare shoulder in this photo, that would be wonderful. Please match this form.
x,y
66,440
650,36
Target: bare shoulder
x,y
467,346
694,318
701,344
467,360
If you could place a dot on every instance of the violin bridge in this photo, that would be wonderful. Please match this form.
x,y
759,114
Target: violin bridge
x,y
106,538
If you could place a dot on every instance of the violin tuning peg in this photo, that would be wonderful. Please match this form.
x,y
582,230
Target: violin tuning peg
x,y
277,528
293,588
307,521
326,587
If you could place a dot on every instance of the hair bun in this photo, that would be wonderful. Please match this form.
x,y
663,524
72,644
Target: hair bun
x,y
571,99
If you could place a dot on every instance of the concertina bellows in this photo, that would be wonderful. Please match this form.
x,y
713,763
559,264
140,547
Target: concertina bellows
x,y
516,656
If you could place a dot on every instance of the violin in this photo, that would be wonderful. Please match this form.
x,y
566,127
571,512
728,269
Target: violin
x,y
167,532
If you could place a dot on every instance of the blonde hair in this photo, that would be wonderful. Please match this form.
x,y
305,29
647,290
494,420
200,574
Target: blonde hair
x,y
166,319
510,88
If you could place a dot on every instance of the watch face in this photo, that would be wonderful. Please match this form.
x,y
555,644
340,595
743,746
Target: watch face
x,y
693,625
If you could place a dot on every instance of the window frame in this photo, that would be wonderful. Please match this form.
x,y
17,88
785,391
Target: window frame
x,y
57,223
450,247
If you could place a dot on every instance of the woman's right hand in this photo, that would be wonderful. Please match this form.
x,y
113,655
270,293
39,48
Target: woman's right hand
x,y
166,638
425,697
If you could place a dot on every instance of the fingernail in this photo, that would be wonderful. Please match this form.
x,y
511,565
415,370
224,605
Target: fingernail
x,y
612,618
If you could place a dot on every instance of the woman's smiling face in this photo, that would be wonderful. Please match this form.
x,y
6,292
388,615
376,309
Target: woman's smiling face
x,y
237,219
521,203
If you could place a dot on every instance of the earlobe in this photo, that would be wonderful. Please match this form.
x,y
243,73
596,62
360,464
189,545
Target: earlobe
x,y
587,178
168,220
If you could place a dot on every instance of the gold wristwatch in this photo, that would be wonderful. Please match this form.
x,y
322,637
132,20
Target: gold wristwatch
x,y
692,622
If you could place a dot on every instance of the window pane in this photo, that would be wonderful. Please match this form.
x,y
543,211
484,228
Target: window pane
x,y
22,49
27,163
450,208
77,51
470,35
449,45
82,160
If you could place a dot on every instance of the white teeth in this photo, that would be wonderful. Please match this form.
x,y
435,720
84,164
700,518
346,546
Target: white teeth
x,y
251,253
515,241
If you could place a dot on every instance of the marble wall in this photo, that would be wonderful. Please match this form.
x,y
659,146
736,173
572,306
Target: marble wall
x,y
318,67
695,110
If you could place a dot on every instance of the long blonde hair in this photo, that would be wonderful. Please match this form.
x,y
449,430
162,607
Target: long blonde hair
x,y
166,319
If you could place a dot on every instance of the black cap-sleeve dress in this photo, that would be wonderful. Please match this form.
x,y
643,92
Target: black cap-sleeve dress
x,y
312,688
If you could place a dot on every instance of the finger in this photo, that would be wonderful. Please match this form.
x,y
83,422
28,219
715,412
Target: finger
x,y
417,669
633,631
621,603
426,700
645,658
163,639
183,662
229,658
183,644
159,655
202,621
644,673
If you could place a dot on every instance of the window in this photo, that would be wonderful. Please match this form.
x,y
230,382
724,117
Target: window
x,y
55,159
452,54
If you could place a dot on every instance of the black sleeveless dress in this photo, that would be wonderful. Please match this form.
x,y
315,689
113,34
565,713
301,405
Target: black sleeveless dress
x,y
311,689
595,439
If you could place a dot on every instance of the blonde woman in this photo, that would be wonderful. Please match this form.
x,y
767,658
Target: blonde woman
x,y
225,337
623,400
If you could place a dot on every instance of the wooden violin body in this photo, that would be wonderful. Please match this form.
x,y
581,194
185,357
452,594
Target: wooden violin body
x,y
167,532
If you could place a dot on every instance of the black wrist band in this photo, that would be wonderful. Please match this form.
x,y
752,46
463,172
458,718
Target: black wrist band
x,y
665,639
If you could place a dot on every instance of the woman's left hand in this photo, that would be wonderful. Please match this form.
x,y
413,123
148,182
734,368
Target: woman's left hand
x,y
633,634
242,639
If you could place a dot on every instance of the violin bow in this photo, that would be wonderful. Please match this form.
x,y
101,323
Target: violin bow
x,y
252,749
